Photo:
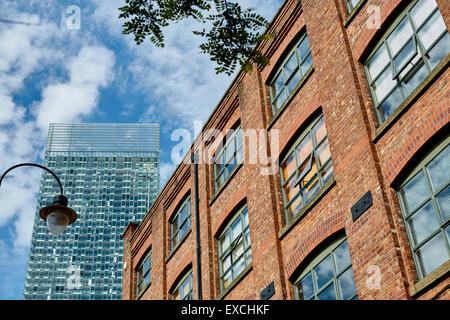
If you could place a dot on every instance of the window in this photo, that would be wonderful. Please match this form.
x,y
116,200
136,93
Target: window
x,y
227,157
351,4
329,276
143,273
306,168
425,204
293,69
417,43
234,248
180,223
183,290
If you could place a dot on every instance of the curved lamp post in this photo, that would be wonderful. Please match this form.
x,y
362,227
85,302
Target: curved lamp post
x,y
58,215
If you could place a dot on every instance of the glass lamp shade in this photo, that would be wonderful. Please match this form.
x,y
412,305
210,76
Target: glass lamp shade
x,y
58,217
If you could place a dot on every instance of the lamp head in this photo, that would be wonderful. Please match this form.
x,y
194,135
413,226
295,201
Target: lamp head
x,y
58,215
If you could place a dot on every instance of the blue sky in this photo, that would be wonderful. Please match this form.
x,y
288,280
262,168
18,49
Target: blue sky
x,y
52,73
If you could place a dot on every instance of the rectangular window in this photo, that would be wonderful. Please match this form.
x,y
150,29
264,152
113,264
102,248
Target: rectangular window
x,y
143,273
425,203
228,157
234,248
406,55
293,69
306,168
180,223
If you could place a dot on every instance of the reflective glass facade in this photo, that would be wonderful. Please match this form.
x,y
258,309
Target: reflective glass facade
x,y
110,174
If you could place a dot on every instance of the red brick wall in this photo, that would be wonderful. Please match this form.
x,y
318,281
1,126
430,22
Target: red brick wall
x,y
336,88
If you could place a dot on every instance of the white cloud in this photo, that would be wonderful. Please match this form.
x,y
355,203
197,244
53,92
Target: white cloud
x,y
90,70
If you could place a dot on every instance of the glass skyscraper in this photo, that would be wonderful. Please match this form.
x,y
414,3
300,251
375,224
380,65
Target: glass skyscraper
x,y
110,174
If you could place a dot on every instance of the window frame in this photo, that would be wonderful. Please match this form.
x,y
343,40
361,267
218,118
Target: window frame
x,y
246,243
237,157
293,51
186,276
186,203
406,215
304,133
140,279
350,7
420,52
321,256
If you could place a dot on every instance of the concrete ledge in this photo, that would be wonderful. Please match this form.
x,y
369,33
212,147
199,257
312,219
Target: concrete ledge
x,y
430,280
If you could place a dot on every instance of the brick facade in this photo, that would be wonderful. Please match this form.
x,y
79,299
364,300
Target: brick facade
x,y
366,156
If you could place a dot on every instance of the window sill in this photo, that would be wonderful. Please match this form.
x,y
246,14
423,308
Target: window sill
x,y
432,279
143,290
172,252
285,230
289,99
354,12
381,130
233,284
229,178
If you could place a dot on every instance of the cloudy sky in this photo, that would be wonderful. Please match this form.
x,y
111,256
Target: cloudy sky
x,y
52,73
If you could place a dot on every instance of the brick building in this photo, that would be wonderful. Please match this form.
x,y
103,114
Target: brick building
x,y
353,111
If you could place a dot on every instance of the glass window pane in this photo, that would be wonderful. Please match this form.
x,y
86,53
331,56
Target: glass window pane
x,y
400,35
183,213
319,131
327,172
347,284
290,190
439,51
391,103
307,172
226,280
224,243
306,64
280,100
305,287
294,208
342,257
290,66
422,10
238,250
278,84
439,169
378,62
303,48
423,223
294,81
415,80
328,294
443,200
311,190
323,153
226,263
236,229
415,191
384,84
432,30
405,55
432,254
323,272
304,149
238,266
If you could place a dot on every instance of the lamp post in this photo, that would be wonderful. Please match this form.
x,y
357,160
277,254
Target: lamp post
x,y
58,215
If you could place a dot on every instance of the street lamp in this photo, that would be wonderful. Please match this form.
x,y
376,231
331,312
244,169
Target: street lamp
x,y
58,215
